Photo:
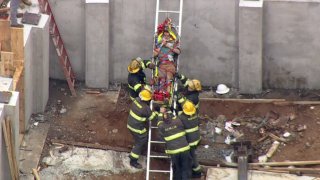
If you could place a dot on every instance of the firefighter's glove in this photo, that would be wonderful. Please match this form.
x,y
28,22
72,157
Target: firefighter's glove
x,y
151,66
177,75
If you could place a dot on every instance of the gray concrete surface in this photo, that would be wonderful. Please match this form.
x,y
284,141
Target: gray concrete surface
x,y
250,46
70,17
209,40
97,44
31,149
36,62
10,110
291,44
4,165
40,72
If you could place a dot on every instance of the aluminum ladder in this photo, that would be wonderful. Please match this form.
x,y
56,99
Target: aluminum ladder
x,y
151,127
64,60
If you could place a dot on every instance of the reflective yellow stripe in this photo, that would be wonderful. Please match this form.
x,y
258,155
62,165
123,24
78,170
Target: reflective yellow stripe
x,y
181,100
130,87
186,83
182,76
197,106
193,117
137,86
153,115
147,64
195,142
180,112
134,155
176,151
160,122
137,130
192,129
137,117
175,136
198,168
137,103
133,99
143,65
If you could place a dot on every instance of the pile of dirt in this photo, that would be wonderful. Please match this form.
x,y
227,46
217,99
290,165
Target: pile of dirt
x,y
101,118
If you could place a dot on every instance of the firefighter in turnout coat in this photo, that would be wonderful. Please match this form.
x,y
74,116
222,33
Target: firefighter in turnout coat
x,y
191,92
139,115
136,77
172,131
190,120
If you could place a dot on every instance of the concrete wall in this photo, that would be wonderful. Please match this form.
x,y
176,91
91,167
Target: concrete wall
x,y
40,72
291,44
70,17
97,44
36,68
209,39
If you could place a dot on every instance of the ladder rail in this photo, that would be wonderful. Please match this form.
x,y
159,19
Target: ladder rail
x,y
150,141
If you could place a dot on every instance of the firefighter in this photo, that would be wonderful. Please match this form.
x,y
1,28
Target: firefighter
x,y
191,92
136,77
190,120
139,113
172,131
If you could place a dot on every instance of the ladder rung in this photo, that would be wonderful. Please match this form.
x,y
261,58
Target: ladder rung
x,y
164,11
160,171
154,156
158,142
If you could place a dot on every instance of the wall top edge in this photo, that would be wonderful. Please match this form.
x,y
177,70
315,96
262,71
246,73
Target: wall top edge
x,y
248,3
97,1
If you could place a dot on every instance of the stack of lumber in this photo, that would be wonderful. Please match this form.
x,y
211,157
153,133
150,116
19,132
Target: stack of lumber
x,y
12,62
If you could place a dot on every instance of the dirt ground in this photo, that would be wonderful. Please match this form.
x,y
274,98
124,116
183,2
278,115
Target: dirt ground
x,y
99,119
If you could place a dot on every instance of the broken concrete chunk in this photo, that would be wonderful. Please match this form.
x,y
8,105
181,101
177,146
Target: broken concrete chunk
x,y
273,149
262,159
301,128
221,119
63,110
286,134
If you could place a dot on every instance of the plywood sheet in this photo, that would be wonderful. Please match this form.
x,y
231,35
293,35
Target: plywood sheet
x,y
5,35
6,64
17,44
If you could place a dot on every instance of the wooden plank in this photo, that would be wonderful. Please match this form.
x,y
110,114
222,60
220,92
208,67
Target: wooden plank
x,y
89,145
244,100
18,85
35,174
6,64
5,35
17,43
274,101
8,147
14,157
289,163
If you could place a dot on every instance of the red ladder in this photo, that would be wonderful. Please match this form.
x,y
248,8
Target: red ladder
x,y
59,45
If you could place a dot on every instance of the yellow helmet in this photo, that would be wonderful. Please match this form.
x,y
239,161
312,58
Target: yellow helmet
x,y
189,108
194,85
134,66
145,95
